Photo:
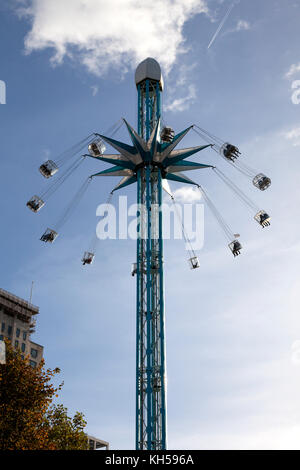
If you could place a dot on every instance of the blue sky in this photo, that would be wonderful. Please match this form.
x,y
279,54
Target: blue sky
x,y
233,327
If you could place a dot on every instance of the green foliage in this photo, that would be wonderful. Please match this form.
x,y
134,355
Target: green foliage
x,y
27,419
64,432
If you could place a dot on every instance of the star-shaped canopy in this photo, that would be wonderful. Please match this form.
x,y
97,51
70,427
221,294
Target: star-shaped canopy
x,y
131,157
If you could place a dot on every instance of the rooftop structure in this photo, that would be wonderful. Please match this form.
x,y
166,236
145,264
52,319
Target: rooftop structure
x,y
96,444
17,323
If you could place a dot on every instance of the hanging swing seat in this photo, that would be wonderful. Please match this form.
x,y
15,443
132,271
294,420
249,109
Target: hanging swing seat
x,y
263,218
88,258
229,151
154,265
167,134
96,148
35,203
143,271
156,384
49,236
194,262
133,269
261,182
48,169
235,247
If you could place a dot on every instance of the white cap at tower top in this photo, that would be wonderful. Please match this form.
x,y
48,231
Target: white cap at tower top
x,y
149,68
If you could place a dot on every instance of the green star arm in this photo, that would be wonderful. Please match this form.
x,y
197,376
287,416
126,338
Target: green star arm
x,y
180,178
178,155
114,171
126,181
186,166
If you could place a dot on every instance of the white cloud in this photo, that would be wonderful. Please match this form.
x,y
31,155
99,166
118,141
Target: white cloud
x,y
103,34
293,135
181,104
242,25
184,194
94,89
294,68
184,73
187,194
295,356
182,81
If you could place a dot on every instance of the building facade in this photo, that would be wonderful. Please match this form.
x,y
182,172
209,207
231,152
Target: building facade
x,y
96,444
17,323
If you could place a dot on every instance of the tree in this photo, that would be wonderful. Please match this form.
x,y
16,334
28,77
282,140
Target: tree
x,y
64,432
27,421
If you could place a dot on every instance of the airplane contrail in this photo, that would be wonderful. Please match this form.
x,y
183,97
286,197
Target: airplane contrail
x,y
221,25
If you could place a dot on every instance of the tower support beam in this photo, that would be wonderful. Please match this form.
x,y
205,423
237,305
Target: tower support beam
x,y
148,161
150,353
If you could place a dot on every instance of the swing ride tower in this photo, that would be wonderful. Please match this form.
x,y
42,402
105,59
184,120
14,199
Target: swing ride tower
x,y
159,161
151,426
151,159
147,162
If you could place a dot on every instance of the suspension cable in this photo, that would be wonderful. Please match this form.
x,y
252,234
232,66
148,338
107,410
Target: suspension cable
x,y
185,236
62,178
114,128
57,183
203,136
76,148
79,146
225,227
212,137
94,241
74,202
238,165
243,197
244,169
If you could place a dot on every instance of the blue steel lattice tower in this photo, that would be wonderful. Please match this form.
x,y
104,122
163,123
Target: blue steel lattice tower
x,y
147,162
150,352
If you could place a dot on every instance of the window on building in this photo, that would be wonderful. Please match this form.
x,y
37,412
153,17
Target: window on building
x,y
33,363
1,337
23,347
9,330
18,332
3,327
24,335
16,343
34,352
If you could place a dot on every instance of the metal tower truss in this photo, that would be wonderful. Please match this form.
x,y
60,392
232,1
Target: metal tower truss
x,y
147,162
150,353
148,106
